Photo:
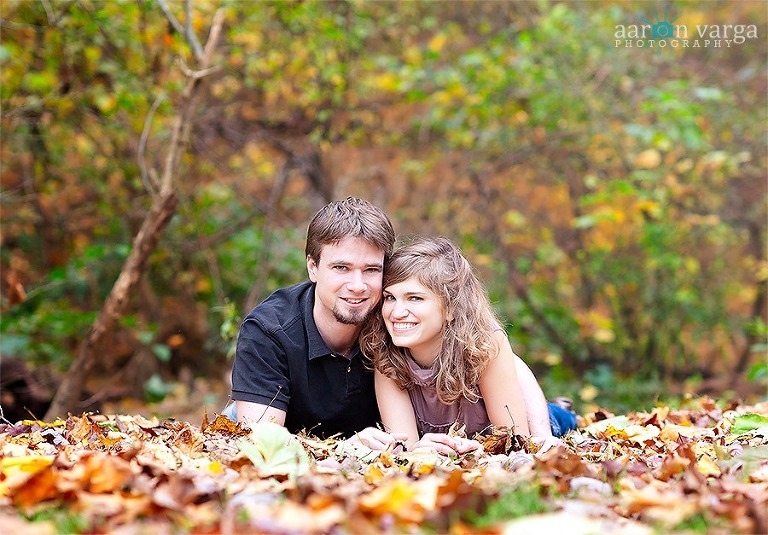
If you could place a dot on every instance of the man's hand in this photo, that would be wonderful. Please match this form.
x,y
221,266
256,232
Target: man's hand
x,y
376,439
448,445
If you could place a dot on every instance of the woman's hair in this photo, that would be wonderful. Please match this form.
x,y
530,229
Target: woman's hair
x,y
351,217
468,342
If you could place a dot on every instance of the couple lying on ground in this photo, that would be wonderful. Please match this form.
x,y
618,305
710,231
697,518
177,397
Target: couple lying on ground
x,y
404,339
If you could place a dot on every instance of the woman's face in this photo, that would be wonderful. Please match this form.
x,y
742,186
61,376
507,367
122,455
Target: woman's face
x,y
414,317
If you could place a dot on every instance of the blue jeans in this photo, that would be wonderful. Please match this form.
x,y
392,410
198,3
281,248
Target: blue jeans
x,y
230,411
560,419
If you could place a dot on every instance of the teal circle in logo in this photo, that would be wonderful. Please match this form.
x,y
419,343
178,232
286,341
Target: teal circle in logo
x,y
662,30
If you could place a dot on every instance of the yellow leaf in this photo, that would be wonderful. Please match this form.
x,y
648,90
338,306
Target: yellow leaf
x,y
612,432
30,464
437,42
396,497
17,471
588,392
412,55
641,433
648,159
55,423
373,474
387,81
707,466
215,468
604,336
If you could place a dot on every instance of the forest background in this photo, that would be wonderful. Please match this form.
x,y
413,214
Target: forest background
x,y
612,197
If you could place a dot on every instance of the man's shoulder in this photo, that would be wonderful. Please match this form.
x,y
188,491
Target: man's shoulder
x,y
283,307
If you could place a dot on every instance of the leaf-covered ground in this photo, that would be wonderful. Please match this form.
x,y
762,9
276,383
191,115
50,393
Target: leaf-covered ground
x,y
702,468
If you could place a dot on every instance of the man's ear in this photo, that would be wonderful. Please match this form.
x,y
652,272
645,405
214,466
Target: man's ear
x,y
311,269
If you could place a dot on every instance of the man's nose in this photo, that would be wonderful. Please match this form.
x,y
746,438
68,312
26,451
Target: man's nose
x,y
357,282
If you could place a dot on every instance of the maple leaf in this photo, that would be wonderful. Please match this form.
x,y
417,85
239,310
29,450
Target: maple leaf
x,y
222,424
16,471
503,441
397,497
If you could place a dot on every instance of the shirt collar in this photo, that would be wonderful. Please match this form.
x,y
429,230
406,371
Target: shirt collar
x,y
316,345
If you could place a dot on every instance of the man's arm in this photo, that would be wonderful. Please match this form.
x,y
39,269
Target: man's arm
x,y
535,402
250,413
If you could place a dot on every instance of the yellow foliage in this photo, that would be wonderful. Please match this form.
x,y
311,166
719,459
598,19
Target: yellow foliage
x,y
387,81
16,470
588,393
648,159
413,55
437,42
396,497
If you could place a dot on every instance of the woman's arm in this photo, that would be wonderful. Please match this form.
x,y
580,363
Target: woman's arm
x,y
399,419
505,405
395,407
535,402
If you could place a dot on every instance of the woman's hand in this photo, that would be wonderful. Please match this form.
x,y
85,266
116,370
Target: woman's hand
x,y
447,445
376,439
546,443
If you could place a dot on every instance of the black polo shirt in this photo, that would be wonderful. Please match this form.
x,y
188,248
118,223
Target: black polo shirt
x,y
282,361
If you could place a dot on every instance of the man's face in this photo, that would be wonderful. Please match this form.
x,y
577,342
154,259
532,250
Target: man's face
x,y
348,280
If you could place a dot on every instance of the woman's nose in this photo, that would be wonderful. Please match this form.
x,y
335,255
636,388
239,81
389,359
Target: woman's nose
x,y
399,310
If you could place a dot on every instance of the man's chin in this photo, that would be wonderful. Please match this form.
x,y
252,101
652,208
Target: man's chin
x,y
352,319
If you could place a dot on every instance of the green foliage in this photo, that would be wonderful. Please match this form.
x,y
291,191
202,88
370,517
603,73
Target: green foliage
x,y
55,316
603,387
230,325
522,500
156,389
697,523
748,422
44,334
612,198
64,520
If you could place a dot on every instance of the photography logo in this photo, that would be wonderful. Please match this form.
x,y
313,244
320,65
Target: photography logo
x,y
663,31
663,27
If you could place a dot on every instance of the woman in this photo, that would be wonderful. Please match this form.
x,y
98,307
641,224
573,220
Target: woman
x,y
440,355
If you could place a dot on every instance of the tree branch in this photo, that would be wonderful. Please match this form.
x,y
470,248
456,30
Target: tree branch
x,y
160,213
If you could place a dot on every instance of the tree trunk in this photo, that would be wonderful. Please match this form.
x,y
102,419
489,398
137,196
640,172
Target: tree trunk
x,y
162,210
68,394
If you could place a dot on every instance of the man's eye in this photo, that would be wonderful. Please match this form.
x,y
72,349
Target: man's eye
x,y
340,268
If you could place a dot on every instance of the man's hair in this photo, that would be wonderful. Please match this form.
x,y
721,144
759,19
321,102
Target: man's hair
x,y
467,344
351,217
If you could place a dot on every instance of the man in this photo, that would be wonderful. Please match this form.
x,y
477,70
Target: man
x,y
297,361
